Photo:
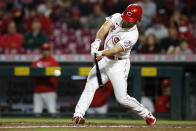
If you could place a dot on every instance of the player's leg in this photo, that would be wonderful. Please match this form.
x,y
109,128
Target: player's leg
x,y
37,103
101,110
89,90
50,102
91,111
98,110
118,76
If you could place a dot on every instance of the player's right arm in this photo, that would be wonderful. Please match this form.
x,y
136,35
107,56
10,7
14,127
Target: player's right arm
x,y
110,21
103,30
100,35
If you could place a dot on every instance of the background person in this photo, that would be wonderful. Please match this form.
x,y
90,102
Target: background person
x,y
149,13
36,37
75,20
13,39
162,104
151,46
147,102
183,48
96,19
168,45
45,87
99,103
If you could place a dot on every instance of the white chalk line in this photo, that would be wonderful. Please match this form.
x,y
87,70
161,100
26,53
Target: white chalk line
x,y
91,126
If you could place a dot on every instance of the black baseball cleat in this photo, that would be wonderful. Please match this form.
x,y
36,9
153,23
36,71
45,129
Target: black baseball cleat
x,y
78,120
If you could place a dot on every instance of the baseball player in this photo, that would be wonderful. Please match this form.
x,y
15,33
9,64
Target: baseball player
x,y
99,103
122,35
45,87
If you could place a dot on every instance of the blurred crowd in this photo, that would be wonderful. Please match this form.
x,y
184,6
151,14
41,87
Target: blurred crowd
x,y
167,26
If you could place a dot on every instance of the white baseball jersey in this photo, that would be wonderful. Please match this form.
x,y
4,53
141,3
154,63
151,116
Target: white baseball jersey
x,y
126,37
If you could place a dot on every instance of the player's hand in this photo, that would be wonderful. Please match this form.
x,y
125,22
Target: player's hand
x,y
94,51
95,45
99,53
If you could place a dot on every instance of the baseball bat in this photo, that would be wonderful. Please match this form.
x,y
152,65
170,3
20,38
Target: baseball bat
x,y
100,82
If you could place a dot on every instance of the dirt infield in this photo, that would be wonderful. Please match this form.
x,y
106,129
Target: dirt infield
x,y
93,127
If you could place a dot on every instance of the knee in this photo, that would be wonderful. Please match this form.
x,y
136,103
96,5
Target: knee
x,y
125,100
121,100
91,86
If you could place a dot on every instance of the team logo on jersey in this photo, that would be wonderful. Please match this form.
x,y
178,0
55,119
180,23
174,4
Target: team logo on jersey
x,y
116,39
127,43
129,13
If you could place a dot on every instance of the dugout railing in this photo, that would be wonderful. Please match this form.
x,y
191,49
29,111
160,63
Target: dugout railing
x,y
176,74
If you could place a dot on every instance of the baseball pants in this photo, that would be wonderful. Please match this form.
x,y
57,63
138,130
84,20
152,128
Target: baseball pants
x,y
98,110
47,100
117,72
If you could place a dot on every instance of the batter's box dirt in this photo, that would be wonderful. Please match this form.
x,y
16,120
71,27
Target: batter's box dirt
x,y
58,126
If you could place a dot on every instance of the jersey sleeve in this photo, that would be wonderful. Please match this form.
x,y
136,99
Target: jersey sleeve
x,y
128,43
113,18
54,62
34,64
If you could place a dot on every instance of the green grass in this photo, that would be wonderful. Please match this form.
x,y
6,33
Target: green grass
x,y
66,120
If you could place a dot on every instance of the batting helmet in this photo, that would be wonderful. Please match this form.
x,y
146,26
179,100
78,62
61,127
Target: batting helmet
x,y
132,13
166,83
46,46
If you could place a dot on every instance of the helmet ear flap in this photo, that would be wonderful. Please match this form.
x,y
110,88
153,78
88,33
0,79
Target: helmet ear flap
x,y
140,19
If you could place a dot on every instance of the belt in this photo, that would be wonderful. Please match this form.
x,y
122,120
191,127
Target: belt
x,y
115,58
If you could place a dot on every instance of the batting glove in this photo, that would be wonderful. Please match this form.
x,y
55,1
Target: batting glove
x,y
96,44
94,51
98,53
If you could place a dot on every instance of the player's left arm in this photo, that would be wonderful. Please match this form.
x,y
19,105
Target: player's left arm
x,y
115,50
122,45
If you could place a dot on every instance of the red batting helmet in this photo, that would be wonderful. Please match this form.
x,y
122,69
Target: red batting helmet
x,y
46,46
166,83
132,13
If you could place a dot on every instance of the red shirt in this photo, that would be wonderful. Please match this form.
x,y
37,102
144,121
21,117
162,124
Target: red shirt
x,y
162,104
3,24
189,36
11,41
101,95
46,23
45,84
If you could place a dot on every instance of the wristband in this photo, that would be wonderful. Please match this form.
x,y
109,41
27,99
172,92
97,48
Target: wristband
x,y
98,40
